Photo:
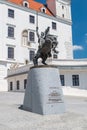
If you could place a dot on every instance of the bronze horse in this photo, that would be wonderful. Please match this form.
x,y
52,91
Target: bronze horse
x,y
44,51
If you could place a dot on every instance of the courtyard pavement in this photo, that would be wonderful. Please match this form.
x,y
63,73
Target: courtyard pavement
x,y
12,118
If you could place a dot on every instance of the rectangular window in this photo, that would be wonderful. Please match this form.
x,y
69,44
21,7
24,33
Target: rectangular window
x,y
63,15
18,84
32,53
62,80
25,83
11,13
62,7
11,32
54,26
31,36
11,52
54,56
11,86
32,19
75,80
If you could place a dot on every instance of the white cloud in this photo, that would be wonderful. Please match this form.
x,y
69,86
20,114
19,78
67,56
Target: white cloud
x,y
86,34
76,48
85,37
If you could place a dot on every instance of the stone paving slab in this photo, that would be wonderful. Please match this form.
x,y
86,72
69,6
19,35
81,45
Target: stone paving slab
x,y
12,118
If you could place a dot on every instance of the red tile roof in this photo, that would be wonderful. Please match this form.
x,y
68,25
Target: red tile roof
x,y
32,5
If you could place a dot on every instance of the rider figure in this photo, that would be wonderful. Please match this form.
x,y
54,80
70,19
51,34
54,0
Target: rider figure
x,y
42,37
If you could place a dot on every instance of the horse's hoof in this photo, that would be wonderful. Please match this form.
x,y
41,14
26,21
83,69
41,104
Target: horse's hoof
x,y
44,63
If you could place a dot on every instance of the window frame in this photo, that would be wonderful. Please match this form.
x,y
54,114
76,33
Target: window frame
x,y
32,19
62,79
10,31
26,4
10,52
54,25
11,86
63,6
31,36
63,15
25,38
32,53
25,83
75,80
10,13
18,84
55,56
43,10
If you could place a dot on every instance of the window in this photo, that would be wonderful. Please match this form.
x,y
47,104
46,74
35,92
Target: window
x,y
54,56
11,86
32,53
25,37
11,52
11,13
62,7
62,80
75,80
18,84
10,31
31,36
53,25
63,15
25,3
25,83
32,19
43,9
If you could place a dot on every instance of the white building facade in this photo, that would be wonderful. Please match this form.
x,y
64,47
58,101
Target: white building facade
x,y
19,42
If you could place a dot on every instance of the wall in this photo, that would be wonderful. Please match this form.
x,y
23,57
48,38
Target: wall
x,y
67,71
3,74
21,22
14,80
68,77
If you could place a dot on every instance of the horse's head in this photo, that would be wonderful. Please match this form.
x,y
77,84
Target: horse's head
x,y
51,40
54,41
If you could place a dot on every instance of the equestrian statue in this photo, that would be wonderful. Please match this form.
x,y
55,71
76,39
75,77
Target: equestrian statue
x,y
47,43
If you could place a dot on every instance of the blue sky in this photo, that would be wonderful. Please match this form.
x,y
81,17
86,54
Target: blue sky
x,y
79,27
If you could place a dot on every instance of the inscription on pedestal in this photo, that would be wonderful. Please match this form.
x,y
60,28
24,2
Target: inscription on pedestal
x,y
55,95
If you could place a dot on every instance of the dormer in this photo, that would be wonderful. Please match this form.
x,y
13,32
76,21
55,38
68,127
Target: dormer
x,y
25,3
43,9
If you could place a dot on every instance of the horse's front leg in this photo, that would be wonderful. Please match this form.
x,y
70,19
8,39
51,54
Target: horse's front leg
x,y
35,59
44,59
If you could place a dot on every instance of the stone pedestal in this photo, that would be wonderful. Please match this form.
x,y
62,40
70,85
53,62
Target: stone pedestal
x,y
43,94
